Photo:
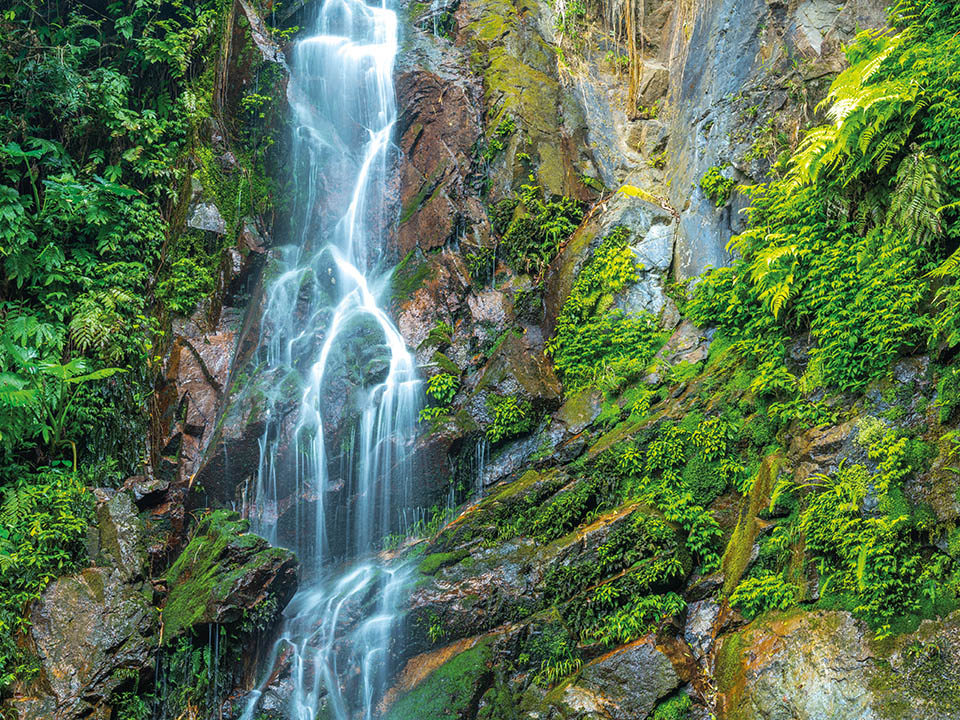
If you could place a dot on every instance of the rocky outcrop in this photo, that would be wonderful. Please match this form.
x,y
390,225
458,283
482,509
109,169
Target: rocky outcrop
x,y
95,630
744,77
807,665
226,574
624,684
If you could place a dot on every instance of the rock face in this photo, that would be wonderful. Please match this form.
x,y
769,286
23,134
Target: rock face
x,y
628,682
91,630
822,664
94,630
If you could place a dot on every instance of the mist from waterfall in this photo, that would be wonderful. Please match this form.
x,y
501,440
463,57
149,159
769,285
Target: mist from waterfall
x,y
336,365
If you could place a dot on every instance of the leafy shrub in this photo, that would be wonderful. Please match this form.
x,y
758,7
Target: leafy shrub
x,y
187,283
443,387
533,236
871,557
505,129
763,592
43,526
843,244
556,652
511,417
592,336
717,187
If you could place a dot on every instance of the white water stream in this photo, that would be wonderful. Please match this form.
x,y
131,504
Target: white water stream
x,y
324,322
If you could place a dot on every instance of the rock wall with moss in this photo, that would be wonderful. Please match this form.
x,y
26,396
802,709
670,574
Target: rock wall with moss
x,y
641,497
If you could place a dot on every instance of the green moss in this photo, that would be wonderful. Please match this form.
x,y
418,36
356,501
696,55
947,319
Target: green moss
x,y
409,276
445,363
431,563
728,675
220,552
736,558
449,691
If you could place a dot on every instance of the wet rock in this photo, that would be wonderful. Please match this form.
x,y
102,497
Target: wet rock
x,y
517,369
438,127
206,216
196,374
90,630
627,683
688,344
519,73
146,491
699,630
119,542
224,573
821,664
444,683
580,409
440,297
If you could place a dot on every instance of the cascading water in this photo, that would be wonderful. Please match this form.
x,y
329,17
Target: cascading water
x,y
328,344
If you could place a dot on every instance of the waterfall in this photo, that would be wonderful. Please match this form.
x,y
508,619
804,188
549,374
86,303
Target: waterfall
x,y
336,365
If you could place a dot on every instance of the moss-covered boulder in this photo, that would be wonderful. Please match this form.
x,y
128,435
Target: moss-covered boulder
x,y
444,684
226,573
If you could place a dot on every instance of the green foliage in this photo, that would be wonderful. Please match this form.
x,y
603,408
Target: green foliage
x,y
673,708
717,187
443,387
557,653
43,526
948,394
537,228
482,264
843,245
511,417
874,557
592,336
634,619
186,284
37,398
197,672
434,628
762,592
505,129
674,466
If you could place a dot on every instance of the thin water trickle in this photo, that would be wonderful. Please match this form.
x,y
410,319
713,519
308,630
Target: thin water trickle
x,y
334,472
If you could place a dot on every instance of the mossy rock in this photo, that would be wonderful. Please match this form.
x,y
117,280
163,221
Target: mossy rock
x,y
433,562
224,574
736,558
450,690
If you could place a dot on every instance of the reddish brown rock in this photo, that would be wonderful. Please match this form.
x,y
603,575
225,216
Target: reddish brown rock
x,y
438,129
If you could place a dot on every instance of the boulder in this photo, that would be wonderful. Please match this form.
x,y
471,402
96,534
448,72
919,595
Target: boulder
x,y
627,682
91,631
825,664
224,573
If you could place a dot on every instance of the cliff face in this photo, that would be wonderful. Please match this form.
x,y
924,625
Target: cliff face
x,y
558,593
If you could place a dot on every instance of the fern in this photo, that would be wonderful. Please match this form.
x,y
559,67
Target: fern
x,y
916,200
98,322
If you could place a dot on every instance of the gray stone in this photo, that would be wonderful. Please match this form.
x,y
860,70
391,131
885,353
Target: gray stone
x,y
698,630
206,216
120,543
89,628
630,680
655,250
815,18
